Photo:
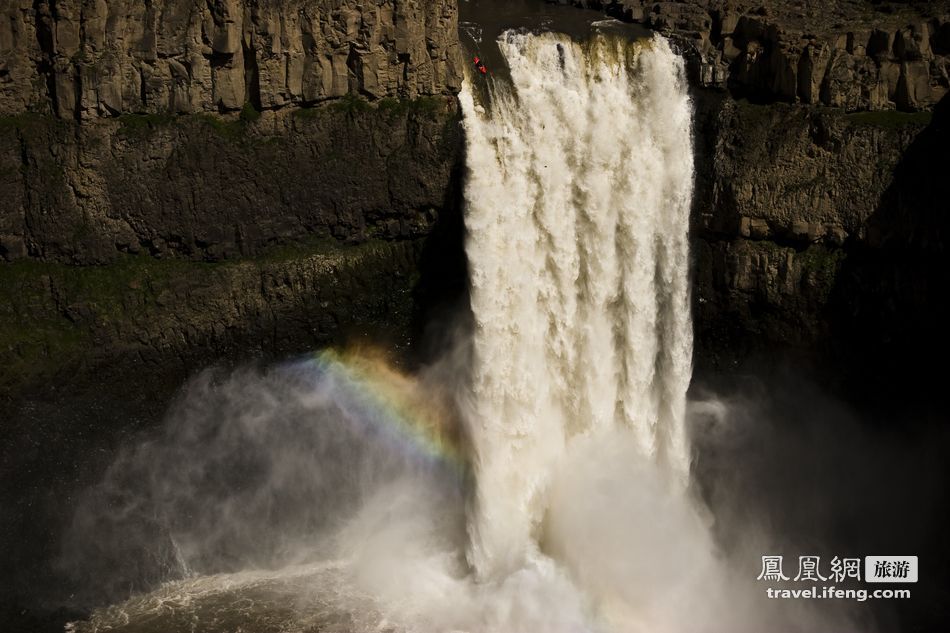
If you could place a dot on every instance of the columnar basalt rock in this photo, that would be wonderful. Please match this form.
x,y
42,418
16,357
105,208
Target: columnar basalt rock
x,y
92,58
851,54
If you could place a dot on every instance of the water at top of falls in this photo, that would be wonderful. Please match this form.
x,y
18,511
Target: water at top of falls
x,y
483,23
578,195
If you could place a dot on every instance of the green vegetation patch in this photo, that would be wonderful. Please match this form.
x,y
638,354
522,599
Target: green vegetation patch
x,y
249,113
822,264
142,124
309,112
34,126
228,129
351,104
53,315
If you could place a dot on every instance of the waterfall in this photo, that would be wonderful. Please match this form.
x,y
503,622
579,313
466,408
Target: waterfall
x,y
334,492
350,480
578,196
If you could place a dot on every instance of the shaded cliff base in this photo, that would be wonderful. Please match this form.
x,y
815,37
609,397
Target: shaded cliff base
x,y
63,321
821,236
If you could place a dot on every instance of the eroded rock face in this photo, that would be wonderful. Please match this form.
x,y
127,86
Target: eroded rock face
x,y
249,135
851,54
205,188
820,215
783,192
799,176
170,242
92,58
824,233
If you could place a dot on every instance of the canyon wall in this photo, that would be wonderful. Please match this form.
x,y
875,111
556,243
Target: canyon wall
x,y
92,58
206,187
185,181
228,132
821,208
852,54
822,232
189,179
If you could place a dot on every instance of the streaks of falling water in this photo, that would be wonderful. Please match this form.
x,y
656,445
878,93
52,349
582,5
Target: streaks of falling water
x,y
578,195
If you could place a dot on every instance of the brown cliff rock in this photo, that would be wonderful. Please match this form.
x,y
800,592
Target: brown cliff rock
x,y
208,188
854,54
97,58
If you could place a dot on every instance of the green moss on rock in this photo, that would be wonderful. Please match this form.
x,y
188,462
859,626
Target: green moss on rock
x,y
820,268
249,113
143,124
56,317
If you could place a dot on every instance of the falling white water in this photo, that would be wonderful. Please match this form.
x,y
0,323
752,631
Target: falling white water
x,y
580,180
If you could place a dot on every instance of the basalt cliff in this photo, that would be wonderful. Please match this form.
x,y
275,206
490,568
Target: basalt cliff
x,y
186,180
192,182
821,208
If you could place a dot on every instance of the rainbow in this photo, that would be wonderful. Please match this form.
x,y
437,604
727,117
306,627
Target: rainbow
x,y
398,406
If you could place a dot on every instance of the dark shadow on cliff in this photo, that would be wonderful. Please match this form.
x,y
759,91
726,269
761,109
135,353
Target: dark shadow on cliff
x,y
442,308
889,309
836,448
889,342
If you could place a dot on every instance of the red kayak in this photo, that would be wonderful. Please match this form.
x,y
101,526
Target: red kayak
x,y
480,65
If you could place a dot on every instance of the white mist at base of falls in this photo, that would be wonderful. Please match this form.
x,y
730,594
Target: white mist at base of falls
x,y
577,208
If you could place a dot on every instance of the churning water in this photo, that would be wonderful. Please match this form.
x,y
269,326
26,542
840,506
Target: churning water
x,y
540,485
